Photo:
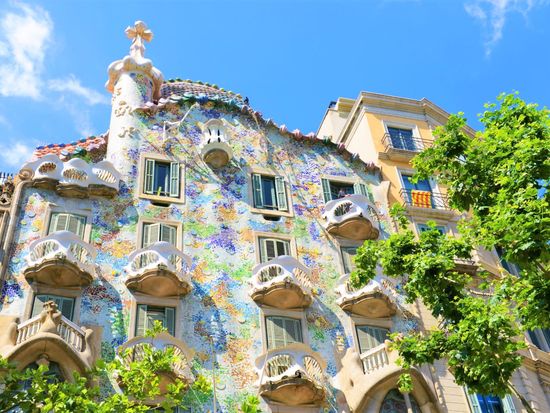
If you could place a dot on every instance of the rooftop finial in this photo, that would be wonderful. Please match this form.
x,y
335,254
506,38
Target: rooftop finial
x,y
138,34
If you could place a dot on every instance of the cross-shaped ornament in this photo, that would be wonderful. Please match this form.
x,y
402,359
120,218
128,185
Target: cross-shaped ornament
x,y
138,34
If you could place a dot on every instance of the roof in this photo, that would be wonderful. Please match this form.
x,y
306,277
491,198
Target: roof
x,y
181,87
92,144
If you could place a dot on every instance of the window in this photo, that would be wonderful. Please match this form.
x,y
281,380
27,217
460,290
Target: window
x,y
347,258
272,248
336,189
507,265
394,402
540,338
147,315
64,304
370,337
418,194
269,192
491,404
162,178
61,221
282,331
423,227
401,138
158,232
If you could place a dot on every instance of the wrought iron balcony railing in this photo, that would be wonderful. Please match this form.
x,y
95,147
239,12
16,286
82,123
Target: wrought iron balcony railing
x,y
412,144
424,199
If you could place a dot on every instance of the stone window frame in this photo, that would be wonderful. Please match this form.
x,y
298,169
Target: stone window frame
x,y
143,221
141,179
355,321
387,123
295,314
36,289
139,298
261,234
85,212
270,173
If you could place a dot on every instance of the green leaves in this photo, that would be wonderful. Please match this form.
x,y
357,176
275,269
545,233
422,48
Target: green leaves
x,y
499,179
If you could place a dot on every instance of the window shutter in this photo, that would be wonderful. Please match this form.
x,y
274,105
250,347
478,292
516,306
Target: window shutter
x,y
293,331
326,190
282,248
257,191
280,188
38,304
508,404
275,332
65,305
58,222
174,179
170,320
76,224
168,234
360,189
141,320
151,234
474,402
149,176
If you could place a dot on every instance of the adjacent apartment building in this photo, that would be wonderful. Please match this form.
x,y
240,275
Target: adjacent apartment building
x,y
238,235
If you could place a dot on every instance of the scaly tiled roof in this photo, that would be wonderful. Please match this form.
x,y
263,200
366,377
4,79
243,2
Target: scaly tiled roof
x,y
182,87
95,145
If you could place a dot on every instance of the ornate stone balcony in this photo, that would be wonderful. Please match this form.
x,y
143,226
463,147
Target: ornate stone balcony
x,y
292,375
160,270
282,283
214,148
351,217
134,350
52,335
75,178
372,300
61,259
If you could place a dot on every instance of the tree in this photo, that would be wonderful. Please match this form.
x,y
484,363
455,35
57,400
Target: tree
x,y
36,390
499,179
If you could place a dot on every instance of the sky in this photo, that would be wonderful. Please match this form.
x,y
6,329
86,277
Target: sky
x,y
290,57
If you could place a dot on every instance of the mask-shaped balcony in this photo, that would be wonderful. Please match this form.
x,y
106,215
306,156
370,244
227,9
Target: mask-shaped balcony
x,y
61,259
180,369
50,334
160,270
281,283
351,217
75,178
292,375
370,301
214,148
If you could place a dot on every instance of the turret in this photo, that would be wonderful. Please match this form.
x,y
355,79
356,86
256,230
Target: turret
x,y
133,81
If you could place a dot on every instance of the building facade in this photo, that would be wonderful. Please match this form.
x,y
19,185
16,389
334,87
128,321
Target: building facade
x,y
238,236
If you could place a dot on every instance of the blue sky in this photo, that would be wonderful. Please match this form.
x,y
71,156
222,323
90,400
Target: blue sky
x,y
291,58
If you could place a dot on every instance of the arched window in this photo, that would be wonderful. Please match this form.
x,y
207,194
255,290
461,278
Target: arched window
x,y
53,374
394,402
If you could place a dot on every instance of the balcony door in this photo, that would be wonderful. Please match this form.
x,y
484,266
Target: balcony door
x,y
422,185
402,138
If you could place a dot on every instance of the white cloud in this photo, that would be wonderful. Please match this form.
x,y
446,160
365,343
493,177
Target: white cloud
x,y
72,84
15,155
492,15
25,35
80,116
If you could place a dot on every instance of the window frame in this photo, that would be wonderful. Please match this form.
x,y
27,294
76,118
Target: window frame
x,y
404,125
72,208
420,225
543,341
355,320
272,235
164,307
157,157
342,259
265,312
356,331
353,181
143,221
251,172
39,289
144,299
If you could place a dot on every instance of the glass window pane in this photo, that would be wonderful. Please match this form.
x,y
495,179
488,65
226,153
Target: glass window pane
x,y
161,179
268,192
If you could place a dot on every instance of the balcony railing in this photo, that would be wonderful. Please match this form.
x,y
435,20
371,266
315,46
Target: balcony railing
x,y
372,300
75,175
412,145
424,199
351,217
375,358
71,334
294,364
271,279
56,250
181,366
160,270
